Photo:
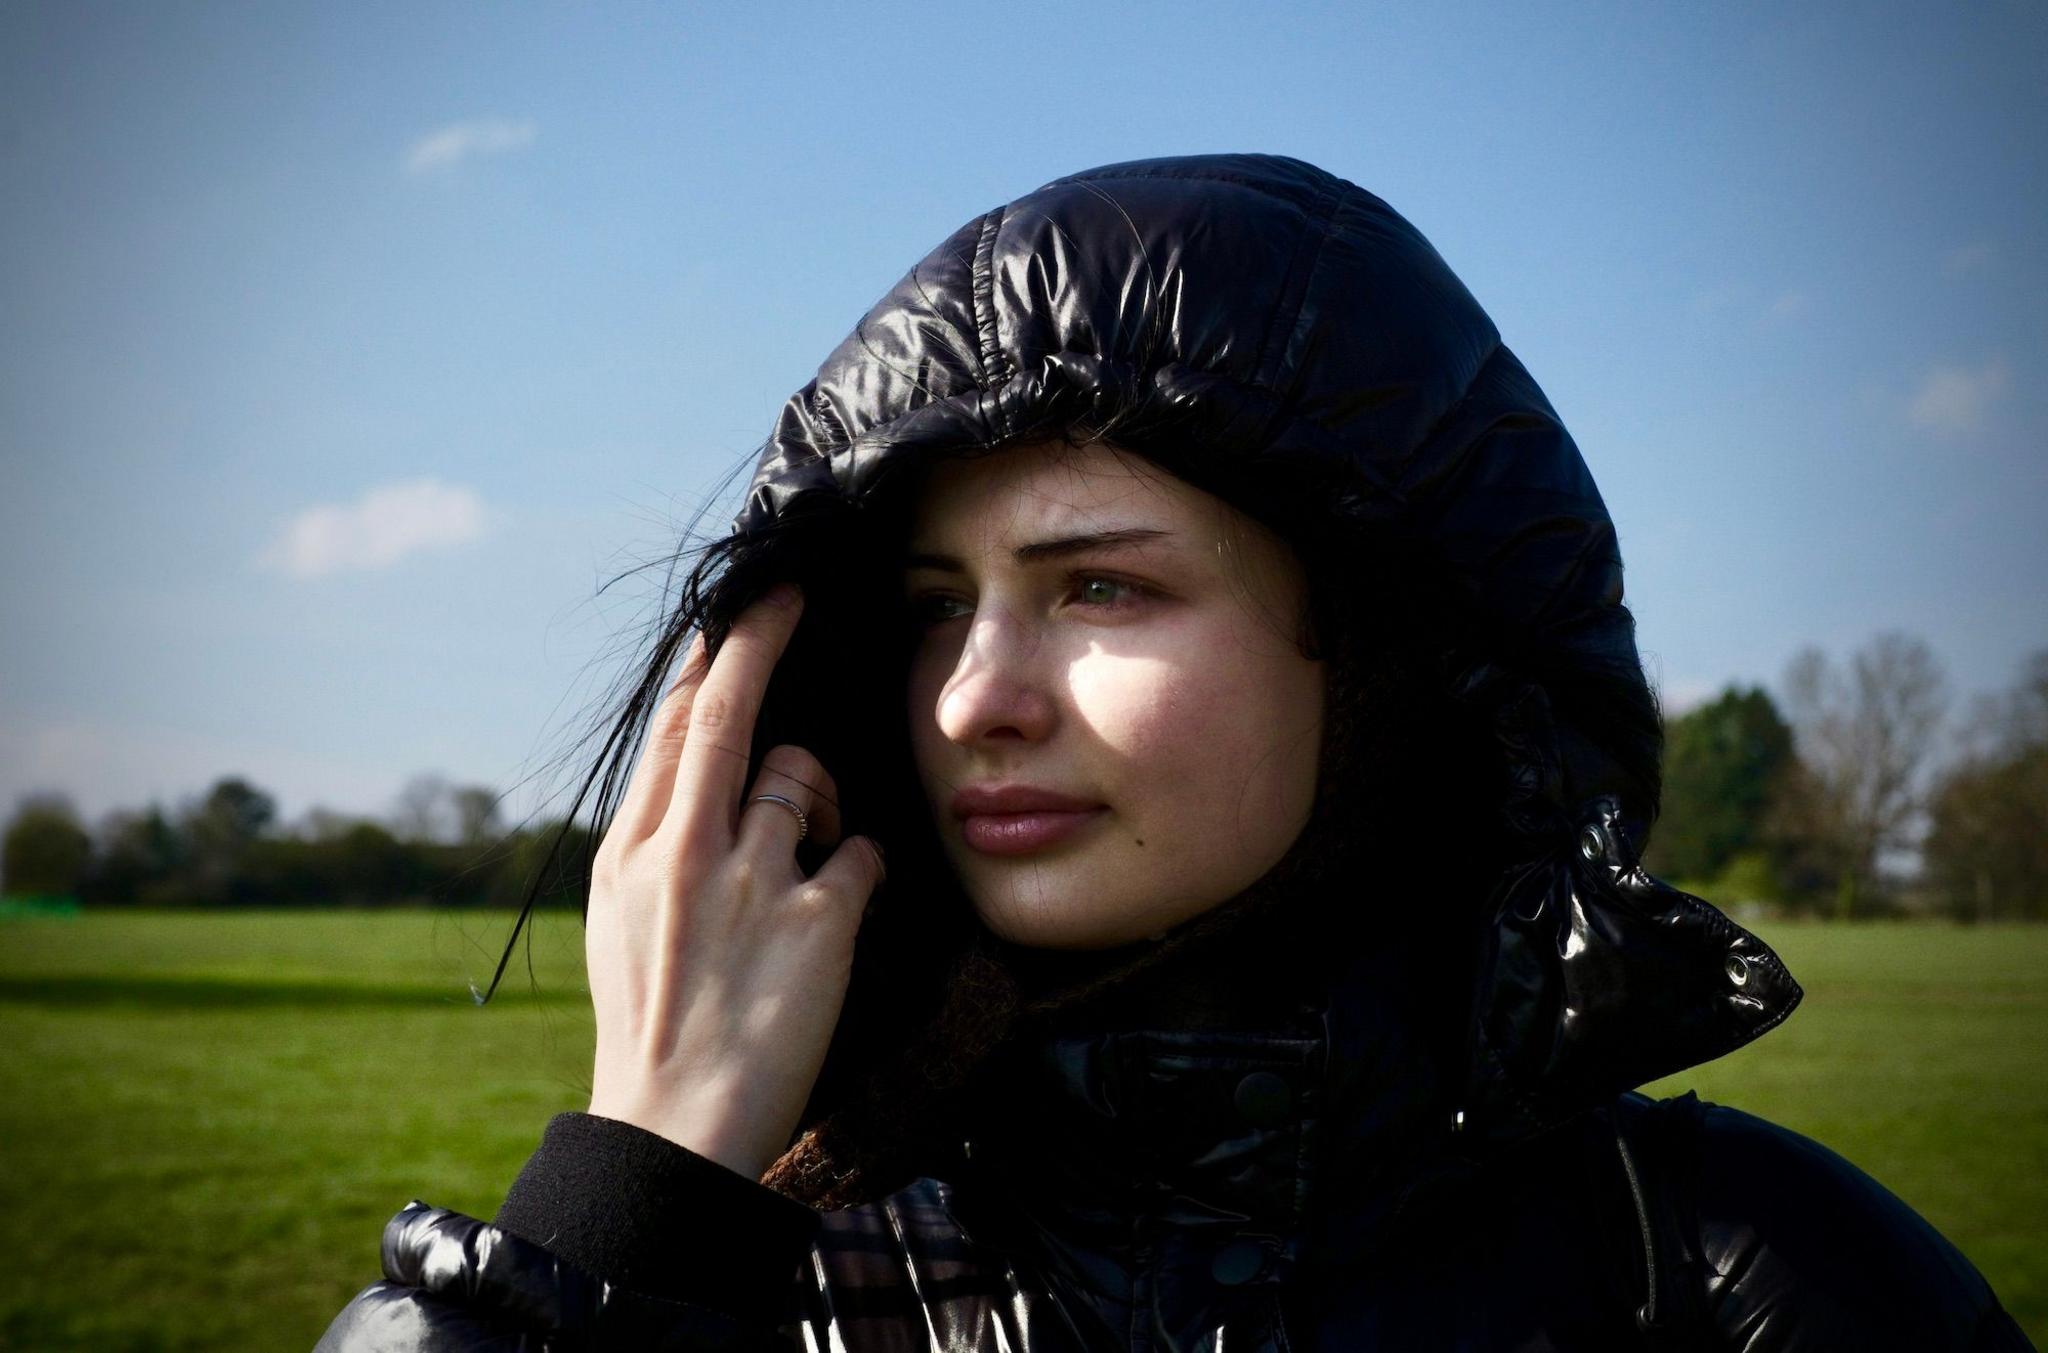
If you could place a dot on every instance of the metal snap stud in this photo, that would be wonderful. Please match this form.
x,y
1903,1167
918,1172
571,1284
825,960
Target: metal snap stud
x,y
1263,1099
1737,969
1237,1263
1592,843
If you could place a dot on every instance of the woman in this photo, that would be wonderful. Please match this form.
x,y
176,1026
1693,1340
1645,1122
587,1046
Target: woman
x,y
1262,961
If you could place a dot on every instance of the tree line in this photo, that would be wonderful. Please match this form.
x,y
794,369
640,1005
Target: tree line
x,y
1851,793
440,845
1860,795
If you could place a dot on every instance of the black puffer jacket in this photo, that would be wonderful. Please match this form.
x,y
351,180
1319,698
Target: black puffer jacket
x,y
1324,1177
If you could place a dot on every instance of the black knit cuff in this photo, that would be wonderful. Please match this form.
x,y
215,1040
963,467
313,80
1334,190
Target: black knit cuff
x,y
635,1209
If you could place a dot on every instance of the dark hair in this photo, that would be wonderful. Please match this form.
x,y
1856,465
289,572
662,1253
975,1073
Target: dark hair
x,y
1411,785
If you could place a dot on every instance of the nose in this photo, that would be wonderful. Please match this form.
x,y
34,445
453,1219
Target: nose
x,y
995,690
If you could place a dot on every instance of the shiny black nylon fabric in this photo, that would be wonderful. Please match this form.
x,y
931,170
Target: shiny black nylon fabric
x,y
1799,1251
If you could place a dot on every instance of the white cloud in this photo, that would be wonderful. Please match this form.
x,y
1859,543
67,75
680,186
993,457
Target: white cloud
x,y
445,147
382,527
1953,399
1966,259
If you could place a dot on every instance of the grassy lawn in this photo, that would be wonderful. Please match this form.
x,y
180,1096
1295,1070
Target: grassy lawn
x,y
1921,1054
205,1119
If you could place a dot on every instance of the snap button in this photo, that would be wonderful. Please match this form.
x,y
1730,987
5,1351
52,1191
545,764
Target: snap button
x,y
1592,843
1737,969
1237,1263
1263,1099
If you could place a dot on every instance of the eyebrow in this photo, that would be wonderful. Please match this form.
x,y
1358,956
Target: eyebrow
x,y
1037,551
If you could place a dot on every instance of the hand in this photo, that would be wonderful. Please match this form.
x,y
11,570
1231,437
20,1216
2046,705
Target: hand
x,y
717,968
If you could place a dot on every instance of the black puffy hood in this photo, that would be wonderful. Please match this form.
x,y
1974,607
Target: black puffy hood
x,y
1250,318
1233,316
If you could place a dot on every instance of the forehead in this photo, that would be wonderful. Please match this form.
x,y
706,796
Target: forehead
x,y
1031,491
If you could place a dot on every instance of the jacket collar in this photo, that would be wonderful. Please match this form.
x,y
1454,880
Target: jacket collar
x,y
1297,1128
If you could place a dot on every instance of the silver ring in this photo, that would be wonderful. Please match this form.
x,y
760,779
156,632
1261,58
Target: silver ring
x,y
803,824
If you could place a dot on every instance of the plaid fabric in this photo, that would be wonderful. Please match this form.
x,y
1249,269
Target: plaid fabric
x,y
902,1276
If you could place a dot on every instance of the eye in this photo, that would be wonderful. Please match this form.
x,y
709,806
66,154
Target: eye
x,y
1099,593
933,608
1093,592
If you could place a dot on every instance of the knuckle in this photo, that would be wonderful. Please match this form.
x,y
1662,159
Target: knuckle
x,y
788,757
712,711
815,896
800,765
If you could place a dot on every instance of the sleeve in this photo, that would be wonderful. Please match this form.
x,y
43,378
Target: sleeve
x,y
611,1236
1806,1251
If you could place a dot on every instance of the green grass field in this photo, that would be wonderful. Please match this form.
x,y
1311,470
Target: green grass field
x,y
206,1119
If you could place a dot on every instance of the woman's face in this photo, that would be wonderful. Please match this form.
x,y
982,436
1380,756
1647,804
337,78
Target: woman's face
x,y
1113,726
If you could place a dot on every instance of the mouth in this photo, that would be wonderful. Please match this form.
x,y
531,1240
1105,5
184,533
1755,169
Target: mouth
x,y
1020,819
1024,833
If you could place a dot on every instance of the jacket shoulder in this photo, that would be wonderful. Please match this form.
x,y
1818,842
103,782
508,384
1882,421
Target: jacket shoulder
x,y
882,1277
1804,1250
452,1282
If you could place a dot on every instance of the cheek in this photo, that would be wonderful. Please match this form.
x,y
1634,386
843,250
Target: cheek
x,y
1138,706
1202,737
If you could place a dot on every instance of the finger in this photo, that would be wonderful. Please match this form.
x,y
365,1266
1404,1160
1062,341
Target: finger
x,y
770,830
651,786
853,872
713,764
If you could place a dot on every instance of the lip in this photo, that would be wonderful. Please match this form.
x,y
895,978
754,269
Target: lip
x,y
1019,819
986,800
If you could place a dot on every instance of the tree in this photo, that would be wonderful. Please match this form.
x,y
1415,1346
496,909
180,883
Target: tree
x,y
422,812
221,827
320,824
1864,735
233,813
373,868
476,814
1723,763
141,857
1986,854
45,850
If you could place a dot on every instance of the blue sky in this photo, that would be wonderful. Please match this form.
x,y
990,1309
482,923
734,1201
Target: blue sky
x,y
350,349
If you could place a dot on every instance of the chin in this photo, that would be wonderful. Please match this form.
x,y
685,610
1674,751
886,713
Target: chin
x,y
1038,924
